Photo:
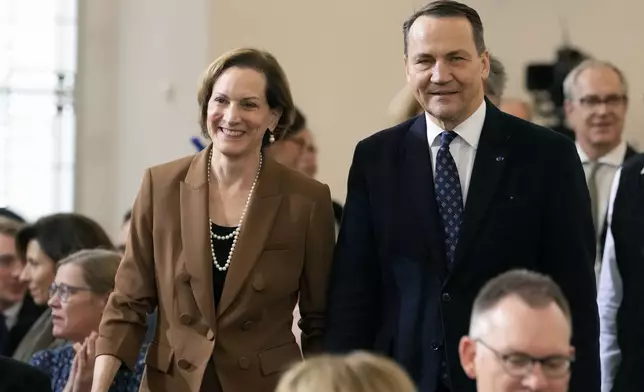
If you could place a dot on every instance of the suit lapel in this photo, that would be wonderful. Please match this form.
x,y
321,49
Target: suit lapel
x,y
254,232
417,187
489,164
195,234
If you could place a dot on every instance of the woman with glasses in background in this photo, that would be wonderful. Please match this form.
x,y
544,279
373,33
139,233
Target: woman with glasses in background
x,y
77,298
40,245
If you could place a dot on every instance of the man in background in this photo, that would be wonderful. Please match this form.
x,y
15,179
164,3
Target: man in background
x,y
496,81
17,309
596,102
621,283
519,338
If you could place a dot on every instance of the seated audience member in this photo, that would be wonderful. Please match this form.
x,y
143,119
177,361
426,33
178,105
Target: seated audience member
x,y
357,372
519,336
17,309
77,298
40,246
16,376
517,107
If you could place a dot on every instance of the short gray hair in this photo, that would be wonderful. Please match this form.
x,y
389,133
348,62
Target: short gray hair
x,y
570,82
98,268
533,288
497,79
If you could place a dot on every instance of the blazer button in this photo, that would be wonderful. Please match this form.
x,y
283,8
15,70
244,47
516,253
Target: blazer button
x,y
258,283
446,297
183,364
210,335
244,363
434,345
248,325
184,277
185,319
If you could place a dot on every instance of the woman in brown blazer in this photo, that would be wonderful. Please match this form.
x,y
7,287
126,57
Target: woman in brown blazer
x,y
225,287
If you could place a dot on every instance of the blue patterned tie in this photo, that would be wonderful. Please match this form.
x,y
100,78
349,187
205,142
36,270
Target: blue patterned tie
x,y
449,195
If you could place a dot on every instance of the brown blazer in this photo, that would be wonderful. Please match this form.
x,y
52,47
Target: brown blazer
x,y
284,250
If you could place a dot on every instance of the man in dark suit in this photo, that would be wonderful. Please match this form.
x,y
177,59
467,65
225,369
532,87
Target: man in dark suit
x,y
17,309
27,316
438,205
16,376
596,103
620,285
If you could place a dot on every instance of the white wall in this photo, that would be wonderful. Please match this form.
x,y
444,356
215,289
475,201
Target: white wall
x,y
343,59
139,66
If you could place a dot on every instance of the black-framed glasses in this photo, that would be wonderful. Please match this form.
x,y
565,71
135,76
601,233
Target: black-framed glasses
x,y
520,365
612,101
64,291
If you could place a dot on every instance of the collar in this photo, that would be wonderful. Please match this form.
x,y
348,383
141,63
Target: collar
x,y
11,313
469,130
614,158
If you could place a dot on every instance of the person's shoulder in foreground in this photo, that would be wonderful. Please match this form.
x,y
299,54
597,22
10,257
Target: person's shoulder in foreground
x,y
16,376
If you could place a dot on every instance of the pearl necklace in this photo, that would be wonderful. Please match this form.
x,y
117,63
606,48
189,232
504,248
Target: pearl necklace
x,y
235,233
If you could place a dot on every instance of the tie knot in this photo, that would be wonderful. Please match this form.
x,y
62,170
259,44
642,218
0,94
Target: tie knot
x,y
447,137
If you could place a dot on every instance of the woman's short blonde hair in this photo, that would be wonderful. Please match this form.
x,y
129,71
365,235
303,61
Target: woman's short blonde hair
x,y
98,268
278,91
357,372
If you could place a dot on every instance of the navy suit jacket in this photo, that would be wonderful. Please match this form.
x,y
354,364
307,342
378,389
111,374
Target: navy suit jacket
x,y
527,207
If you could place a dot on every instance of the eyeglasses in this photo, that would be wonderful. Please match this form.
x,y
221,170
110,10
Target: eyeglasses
x,y
520,365
612,101
64,291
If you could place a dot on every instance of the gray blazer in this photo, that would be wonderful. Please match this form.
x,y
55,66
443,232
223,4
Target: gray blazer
x,y
39,337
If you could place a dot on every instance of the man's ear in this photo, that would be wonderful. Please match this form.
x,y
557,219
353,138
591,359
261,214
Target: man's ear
x,y
467,354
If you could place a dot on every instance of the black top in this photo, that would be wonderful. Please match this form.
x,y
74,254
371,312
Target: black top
x,y
222,249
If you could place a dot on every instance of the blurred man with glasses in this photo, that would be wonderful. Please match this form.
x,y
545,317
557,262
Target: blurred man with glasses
x,y
596,102
519,338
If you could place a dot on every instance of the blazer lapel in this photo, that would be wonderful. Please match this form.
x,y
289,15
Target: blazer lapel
x,y
417,185
489,164
254,232
195,234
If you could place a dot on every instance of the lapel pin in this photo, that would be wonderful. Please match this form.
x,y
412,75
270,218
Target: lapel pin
x,y
499,158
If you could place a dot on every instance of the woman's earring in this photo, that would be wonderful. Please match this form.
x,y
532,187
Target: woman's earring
x,y
271,139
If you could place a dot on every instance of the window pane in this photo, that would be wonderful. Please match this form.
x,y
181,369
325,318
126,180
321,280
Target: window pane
x,y
37,121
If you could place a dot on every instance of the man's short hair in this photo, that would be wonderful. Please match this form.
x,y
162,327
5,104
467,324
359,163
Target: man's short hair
x,y
8,213
10,227
570,82
535,289
497,79
449,9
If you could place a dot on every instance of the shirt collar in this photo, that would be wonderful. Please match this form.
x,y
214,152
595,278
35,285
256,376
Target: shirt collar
x,y
469,130
614,158
11,313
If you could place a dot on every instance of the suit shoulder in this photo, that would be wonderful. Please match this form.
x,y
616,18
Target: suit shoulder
x,y
634,164
171,171
388,135
537,137
294,182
